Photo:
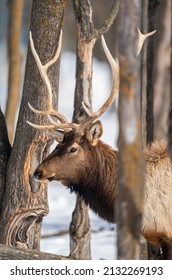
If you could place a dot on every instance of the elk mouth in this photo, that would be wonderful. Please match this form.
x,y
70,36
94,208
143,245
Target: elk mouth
x,y
64,182
50,178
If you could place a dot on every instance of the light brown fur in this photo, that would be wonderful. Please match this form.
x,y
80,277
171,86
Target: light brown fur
x,y
157,214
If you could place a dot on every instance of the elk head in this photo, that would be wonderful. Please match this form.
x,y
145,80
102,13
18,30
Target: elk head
x,y
77,142
81,161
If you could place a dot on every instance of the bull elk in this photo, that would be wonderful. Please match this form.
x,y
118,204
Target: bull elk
x,y
89,167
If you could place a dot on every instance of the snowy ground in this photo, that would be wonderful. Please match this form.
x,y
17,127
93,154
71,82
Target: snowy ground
x,y
61,202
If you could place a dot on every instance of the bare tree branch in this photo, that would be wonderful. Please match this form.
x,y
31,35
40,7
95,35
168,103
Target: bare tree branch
x,y
10,253
109,21
84,9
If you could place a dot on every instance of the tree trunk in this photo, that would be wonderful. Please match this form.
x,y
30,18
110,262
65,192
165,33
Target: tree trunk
x,y
16,12
170,128
143,77
5,150
162,70
25,201
130,194
170,111
151,25
80,233
87,35
153,253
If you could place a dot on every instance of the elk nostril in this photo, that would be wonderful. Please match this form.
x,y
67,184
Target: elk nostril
x,y
38,175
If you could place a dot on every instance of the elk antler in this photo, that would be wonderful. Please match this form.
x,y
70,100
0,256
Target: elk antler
x,y
64,124
50,111
142,38
43,72
115,73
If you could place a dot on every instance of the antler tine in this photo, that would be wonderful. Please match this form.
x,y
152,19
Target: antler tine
x,y
55,126
43,72
142,38
53,113
115,73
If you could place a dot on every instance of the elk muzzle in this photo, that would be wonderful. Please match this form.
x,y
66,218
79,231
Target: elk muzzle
x,y
40,175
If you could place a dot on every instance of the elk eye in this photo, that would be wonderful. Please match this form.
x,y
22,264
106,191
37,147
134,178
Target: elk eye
x,y
73,150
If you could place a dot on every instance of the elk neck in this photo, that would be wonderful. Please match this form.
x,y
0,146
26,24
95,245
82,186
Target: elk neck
x,y
98,186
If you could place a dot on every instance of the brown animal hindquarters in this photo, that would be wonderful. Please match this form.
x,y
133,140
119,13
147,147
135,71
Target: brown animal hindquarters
x,y
157,214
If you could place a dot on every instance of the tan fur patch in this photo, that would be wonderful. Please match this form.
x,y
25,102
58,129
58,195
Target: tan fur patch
x,y
155,152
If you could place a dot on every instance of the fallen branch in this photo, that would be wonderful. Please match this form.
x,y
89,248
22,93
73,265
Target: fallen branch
x,y
12,253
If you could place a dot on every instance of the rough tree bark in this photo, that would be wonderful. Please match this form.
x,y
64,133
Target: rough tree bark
x,y
170,127
155,77
25,201
151,25
87,35
162,70
162,80
5,149
143,76
143,90
151,12
15,24
170,111
130,194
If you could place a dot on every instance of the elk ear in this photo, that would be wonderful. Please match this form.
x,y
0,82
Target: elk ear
x,y
58,135
94,132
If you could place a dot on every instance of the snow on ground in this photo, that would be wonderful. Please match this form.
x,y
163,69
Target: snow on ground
x,y
61,201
